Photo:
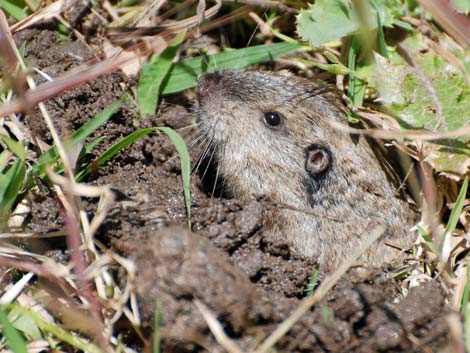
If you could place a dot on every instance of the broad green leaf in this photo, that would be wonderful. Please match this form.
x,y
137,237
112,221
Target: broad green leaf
x,y
153,74
59,333
449,158
330,20
183,75
461,5
326,21
406,95
14,340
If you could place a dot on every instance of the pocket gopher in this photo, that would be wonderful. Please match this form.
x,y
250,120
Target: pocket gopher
x,y
270,137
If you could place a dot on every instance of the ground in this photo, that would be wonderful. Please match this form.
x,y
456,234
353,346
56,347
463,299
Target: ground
x,y
226,264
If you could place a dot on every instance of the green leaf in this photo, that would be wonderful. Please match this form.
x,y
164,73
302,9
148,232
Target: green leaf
x,y
15,8
153,74
14,146
183,75
457,210
312,283
24,324
182,150
429,242
466,290
382,46
357,87
408,97
11,184
330,20
14,340
461,5
337,69
452,222
61,334
326,21
136,135
114,150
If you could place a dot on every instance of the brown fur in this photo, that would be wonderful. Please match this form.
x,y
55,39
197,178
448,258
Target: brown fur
x,y
348,200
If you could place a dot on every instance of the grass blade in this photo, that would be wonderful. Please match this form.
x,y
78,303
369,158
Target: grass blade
x,y
153,74
14,8
15,147
357,88
183,75
136,135
13,337
10,187
114,150
182,150
428,240
452,223
51,156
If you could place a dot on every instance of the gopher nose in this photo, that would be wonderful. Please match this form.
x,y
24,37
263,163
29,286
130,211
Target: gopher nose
x,y
208,84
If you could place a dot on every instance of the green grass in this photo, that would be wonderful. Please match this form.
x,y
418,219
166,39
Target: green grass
x,y
153,75
14,339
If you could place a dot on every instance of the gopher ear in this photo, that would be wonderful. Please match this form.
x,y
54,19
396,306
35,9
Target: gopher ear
x,y
318,160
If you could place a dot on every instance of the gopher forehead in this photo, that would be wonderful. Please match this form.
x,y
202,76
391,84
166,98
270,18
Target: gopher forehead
x,y
256,87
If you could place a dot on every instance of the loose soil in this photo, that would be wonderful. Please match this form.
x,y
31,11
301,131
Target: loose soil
x,y
249,283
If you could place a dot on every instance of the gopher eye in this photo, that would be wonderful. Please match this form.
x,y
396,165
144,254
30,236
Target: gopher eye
x,y
272,119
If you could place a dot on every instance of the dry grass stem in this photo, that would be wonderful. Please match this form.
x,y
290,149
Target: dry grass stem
x,y
217,329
